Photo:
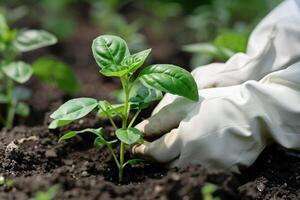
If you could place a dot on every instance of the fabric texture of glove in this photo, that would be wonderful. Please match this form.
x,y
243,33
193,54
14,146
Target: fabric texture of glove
x,y
250,101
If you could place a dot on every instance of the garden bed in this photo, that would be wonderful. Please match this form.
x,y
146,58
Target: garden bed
x,y
34,161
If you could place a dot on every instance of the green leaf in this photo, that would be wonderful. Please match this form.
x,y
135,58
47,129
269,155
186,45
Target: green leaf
x,y
21,93
234,41
133,162
75,109
109,51
99,142
18,71
133,62
71,134
111,110
218,52
144,96
56,73
22,109
128,136
171,79
29,40
47,195
59,123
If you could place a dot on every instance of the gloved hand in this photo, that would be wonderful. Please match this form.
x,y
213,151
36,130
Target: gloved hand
x,y
230,126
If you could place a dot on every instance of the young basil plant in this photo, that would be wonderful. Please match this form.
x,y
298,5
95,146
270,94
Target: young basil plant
x,y
114,59
12,70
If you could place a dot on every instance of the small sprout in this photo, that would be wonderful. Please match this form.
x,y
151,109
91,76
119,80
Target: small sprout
x,y
6,182
9,184
12,70
207,191
139,90
47,195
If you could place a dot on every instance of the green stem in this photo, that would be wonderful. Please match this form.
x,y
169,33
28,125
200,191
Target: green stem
x,y
10,105
134,118
113,154
121,167
109,118
126,89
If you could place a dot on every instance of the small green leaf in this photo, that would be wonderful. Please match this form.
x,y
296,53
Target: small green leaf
x,y
109,51
22,109
237,42
68,135
29,40
146,95
56,73
18,71
99,142
47,195
111,110
133,162
75,109
133,62
128,136
218,52
71,134
143,97
59,123
170,78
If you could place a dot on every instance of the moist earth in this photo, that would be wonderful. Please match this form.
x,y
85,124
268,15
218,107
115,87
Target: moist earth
x,y
34,161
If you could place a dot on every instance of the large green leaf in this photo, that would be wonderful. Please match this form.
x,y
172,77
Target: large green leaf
x,y
109,51
29,40
133,62
56,73
71,134
128,136
75,109
18,71
171,79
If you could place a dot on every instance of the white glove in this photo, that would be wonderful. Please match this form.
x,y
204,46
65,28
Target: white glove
x,y
230,126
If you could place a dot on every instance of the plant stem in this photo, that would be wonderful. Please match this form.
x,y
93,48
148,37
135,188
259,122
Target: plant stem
x,y
134,118
10,105
126,89
113,154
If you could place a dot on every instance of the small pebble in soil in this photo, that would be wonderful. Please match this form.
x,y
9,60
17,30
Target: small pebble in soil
x,y
2,180
260,187
51,153
84,174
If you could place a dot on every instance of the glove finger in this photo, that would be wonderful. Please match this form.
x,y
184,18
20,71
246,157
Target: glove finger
x,y
166,119
163,150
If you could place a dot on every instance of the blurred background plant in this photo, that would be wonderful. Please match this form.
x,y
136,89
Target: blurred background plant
x,y
188,33
216,28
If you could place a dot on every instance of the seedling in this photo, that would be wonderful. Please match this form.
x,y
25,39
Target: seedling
x,y
12,44
47,195
114,59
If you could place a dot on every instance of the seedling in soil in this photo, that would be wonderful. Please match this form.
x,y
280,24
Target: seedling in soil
x,y
47,195
114,59
12,70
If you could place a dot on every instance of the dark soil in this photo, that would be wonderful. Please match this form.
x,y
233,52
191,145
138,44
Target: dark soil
x,y
34,160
